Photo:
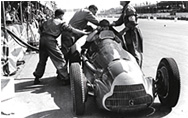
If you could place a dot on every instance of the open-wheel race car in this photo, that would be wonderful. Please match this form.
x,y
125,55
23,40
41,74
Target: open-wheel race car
x,y
113,77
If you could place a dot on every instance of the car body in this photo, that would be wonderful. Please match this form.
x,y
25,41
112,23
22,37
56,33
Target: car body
x,y
112,75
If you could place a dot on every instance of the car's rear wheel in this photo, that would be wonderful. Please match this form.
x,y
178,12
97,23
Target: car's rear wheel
x,y
168,82
78,88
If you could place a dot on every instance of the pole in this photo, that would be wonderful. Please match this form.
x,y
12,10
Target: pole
x,y
21,13
27,21
4,18
6,49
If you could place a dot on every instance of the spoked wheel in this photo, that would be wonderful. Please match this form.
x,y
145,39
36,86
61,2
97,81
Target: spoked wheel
x,y
78,88
168,82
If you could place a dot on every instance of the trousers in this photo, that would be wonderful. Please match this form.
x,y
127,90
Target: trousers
x,y
48,47
134,42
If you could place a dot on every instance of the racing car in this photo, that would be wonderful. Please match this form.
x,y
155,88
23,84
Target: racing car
x,y
112,75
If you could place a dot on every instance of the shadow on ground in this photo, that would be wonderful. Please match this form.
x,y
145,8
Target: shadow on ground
x,y
62,98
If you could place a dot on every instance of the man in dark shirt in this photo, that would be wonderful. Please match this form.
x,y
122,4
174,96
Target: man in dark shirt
x,y
83,16
79,21
133,37
48,47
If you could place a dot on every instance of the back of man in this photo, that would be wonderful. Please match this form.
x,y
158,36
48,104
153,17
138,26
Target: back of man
x,y
50,28
82,17
78,21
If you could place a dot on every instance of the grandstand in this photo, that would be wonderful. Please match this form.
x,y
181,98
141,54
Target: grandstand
x,y
164,7
159,10
164,10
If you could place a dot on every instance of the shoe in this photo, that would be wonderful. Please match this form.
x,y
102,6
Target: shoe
x,y
58,77
65,81
36,81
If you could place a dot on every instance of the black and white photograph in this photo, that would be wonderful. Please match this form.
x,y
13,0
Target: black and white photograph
x,y
94,59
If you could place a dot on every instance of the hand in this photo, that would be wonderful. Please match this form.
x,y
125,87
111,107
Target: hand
x,y
87,33
98,28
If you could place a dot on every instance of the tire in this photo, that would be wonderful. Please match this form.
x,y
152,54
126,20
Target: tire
x,y
78,88
168,82
74,57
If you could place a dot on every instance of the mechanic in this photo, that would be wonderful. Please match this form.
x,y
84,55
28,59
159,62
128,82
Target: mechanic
x,y
132,36
48,47
83,16
80,21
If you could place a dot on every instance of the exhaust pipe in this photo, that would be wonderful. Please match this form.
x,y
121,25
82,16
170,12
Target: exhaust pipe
x,y
88,64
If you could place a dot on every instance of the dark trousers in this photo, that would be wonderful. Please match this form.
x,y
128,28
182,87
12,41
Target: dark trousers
x,y
49,48
134,42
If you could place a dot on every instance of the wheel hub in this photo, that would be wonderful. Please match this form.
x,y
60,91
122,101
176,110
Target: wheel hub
x,y
162,84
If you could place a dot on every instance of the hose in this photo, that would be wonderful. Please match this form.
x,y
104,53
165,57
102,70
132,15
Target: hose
x,y
20,40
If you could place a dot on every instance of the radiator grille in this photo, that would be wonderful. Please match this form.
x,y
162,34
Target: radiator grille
x,y
127,97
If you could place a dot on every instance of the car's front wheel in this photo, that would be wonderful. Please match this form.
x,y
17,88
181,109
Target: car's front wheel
x,y
168,82
78,88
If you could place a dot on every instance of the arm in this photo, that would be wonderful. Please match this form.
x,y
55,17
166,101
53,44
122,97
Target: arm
x,y
118,22
90,37
77,31
91,18
74,30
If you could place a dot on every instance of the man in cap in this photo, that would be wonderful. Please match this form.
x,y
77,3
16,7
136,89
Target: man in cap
x,y
133,37
48,47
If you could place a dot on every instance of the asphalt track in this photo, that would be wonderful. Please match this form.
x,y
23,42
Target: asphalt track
x,y
162,38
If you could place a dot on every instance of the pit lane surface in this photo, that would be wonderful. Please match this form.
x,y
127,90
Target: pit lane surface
x,y
162,38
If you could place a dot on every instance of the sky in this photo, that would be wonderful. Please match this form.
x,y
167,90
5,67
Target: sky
x,y
101,4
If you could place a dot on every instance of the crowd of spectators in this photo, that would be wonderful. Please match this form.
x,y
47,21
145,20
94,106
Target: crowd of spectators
x,y
28,12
